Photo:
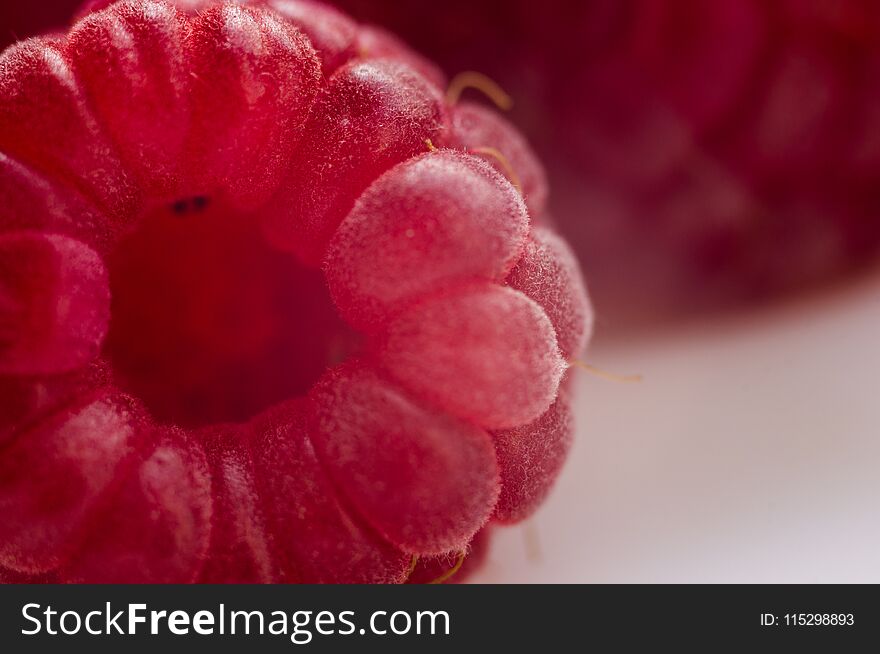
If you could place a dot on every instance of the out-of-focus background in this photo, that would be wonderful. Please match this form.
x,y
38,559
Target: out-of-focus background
x,y
716,165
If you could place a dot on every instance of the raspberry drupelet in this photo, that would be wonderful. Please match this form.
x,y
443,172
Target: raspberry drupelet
x,y
271,308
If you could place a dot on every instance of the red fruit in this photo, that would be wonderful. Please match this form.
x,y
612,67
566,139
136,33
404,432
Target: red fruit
x,y
25,400
333,34
484,132
46,123
131,61
263,221
254,80
701,54
30,201
453,567
13,577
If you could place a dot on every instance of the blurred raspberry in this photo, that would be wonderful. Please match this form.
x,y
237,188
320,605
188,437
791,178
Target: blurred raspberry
x,y
704,153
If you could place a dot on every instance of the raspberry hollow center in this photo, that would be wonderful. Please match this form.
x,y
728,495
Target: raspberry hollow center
x,y
210,324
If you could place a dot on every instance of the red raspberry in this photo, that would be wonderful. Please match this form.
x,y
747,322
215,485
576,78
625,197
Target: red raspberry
x,y
271,309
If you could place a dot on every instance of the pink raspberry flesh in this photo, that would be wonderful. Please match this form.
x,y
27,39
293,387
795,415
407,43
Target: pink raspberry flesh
x,y
272,309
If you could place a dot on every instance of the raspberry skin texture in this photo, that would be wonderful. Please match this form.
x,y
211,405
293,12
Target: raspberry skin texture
x,y
438,476
30,201
131,62
171,490
55,476
270,312
333,34
44,335
429,223
548,272
475,125
24,400
255,79
344,151
45,122
446,567
483,352
530,459
240,551
319,538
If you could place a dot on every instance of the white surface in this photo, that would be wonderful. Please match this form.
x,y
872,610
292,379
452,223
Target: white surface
x,y
750,453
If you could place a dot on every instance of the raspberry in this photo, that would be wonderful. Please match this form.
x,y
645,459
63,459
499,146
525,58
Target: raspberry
x,y
24,399
29,200
133,68
45,121
318,536
271,308
333,34
548,272
13,577
239,549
